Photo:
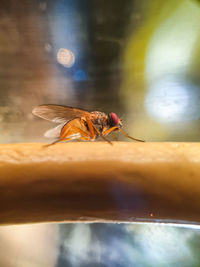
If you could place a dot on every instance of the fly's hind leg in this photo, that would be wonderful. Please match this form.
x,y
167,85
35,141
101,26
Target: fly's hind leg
x,y
60,138
82,135
57,141
66,139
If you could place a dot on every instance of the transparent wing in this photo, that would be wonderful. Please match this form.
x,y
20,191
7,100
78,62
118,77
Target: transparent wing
x,y
55,132
59,114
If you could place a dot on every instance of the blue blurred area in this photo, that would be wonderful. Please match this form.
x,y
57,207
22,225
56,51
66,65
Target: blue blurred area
x,y
68,29
80,75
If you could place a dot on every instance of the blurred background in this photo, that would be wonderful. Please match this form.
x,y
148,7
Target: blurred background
x,y
138,58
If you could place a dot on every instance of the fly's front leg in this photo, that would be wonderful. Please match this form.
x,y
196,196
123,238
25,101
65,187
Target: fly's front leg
x,y
105,139
113,137
93,129
108,131
130,137
102,136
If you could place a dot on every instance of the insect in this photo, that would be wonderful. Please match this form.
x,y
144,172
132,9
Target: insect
x,y
79,124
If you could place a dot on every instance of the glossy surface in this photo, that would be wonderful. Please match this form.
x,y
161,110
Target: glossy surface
x,y
131,182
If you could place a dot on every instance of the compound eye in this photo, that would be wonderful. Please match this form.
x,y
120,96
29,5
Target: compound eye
x,y
114,118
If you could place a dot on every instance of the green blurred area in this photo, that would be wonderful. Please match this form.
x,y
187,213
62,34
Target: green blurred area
x,y
161,72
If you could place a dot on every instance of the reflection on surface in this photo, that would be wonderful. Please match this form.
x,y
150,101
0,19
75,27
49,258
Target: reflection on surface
x,y
104,245
29,245
128,245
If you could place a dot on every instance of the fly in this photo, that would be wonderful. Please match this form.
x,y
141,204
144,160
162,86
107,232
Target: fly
x,y
79,124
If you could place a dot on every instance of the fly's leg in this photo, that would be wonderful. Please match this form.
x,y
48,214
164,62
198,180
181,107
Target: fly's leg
x,y
72,130
102,136
67,139
57,141
105,139
113,137
63,137
82,139
92,128
84,135
130,137
108,131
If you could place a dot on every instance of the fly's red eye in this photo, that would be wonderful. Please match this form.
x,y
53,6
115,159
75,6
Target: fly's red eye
x,y
114,118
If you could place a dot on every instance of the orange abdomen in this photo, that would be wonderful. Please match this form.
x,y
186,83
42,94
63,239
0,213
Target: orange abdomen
x,y
73,128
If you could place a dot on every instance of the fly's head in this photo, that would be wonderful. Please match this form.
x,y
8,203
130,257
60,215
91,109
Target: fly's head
x,y
113,120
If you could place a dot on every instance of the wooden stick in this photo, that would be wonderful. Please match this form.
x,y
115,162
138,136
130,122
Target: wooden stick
x,y
93,182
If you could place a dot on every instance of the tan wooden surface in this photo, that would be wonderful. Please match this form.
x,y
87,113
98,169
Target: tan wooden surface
x,y
132,182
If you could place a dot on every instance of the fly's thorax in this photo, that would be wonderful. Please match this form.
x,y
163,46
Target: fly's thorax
x,y
99,119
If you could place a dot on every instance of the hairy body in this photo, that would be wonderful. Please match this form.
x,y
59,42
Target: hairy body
x,y
79,124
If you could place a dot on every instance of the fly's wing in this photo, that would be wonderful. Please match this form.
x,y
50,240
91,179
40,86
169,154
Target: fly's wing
x,y
55,132
59,114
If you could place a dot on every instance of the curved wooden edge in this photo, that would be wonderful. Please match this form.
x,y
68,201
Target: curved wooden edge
x,y
96,182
